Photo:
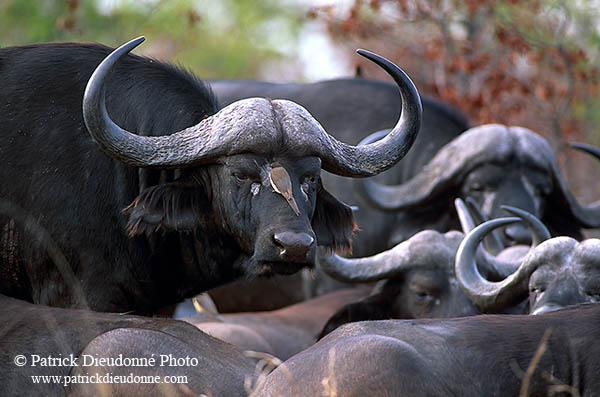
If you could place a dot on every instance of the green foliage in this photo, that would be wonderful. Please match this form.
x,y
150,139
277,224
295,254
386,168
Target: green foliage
x,y
226,38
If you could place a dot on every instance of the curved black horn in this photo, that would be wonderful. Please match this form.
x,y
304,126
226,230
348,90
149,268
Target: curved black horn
x,y
469,218
376,157
111,138
394,261
234,129
384,265
538,230
231,130
488,295
467,223
493,244
586,215
194,145
587,148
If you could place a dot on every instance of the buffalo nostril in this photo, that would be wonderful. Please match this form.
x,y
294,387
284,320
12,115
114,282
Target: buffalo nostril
x,y
293,245
546,309
518,234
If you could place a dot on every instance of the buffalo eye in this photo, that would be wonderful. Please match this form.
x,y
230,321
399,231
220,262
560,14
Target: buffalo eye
x,y
595,297
536,292
422,294
593,293
542,191
476,187
243,177
240,177
309,183
476,191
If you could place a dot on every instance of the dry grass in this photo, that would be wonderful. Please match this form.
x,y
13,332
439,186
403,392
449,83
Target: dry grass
x,y
266,364
329,383
557,386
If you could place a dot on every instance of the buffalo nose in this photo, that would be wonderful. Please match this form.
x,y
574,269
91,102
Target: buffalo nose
x,y
546,309
518,234
293,246
565,290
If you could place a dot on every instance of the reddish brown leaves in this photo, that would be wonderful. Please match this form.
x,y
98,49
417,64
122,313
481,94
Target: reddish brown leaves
x,y
504,61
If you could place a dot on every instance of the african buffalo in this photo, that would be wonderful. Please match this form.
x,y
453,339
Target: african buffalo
x,y
422,284
495,165
558,272
144,215
487,355
66,344
418,278
283,332
349,109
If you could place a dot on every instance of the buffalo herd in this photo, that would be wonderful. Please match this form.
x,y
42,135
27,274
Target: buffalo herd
x,y
427,257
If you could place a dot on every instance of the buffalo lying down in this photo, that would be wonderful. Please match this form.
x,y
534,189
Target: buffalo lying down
x,y
444,275
417,277
486,355
234,193
558,272
39,332
283,332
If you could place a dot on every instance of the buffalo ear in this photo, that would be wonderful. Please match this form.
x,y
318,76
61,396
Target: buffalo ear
x,y
559,218
175,206
333,222
372,308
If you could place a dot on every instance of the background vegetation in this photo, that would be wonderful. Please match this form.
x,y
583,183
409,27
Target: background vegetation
x,y
225,38
532,63
523,62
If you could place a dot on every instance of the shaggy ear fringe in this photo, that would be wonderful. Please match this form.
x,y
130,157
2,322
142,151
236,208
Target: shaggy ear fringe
x,y
333,223
342,238
172,206
368,309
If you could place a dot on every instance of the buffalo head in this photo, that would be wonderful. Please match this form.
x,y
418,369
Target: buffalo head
x,y
418,277
558,272
495,165
249,194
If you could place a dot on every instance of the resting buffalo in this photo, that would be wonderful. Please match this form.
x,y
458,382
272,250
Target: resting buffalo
x,y
418,278
168,197
349,109
50,340
488,355
495,165
559,272
283,332
422,283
